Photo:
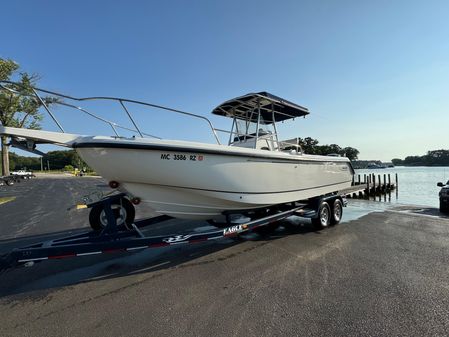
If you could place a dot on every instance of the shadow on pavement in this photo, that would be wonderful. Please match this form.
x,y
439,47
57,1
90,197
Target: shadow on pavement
x,y
431,211
49,275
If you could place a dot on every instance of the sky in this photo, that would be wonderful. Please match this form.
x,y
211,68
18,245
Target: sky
x,y
374,74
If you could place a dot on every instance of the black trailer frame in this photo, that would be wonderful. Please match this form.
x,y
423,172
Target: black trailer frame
x,y
117,238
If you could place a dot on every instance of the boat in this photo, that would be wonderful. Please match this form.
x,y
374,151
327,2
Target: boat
x,y
376,166
197,180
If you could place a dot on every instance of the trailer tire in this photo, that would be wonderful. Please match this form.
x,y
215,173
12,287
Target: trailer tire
x,y
324,216
337,212
123,210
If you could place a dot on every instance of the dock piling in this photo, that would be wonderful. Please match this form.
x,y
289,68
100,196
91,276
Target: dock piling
x,y
373,186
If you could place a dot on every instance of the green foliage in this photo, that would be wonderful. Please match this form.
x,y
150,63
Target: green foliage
x,y
432,158
7,68
350,152
18,105
17,162
310,146
68,168
58,160
19,109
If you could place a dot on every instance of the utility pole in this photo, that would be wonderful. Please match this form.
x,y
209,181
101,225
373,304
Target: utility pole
x,y
42,165
48,164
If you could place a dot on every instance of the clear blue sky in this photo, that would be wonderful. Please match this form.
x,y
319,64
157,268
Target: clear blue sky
x,y
375,74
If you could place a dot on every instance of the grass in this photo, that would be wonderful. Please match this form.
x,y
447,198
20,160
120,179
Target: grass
x,y
4,200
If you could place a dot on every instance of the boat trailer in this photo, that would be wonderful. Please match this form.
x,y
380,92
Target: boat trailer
x,y
121,238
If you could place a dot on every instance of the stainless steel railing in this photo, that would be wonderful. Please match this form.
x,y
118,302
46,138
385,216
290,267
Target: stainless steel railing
x,y
59,99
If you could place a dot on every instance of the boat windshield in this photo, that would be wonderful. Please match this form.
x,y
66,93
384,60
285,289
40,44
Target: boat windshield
x,y
246,133
246,127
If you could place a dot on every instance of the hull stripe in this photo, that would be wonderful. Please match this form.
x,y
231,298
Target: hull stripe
x,y
154,147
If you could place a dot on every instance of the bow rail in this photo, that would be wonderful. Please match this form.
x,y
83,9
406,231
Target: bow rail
x,y
59,98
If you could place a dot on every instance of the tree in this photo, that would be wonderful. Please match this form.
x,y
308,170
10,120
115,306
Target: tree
x,y
437,158
350,152
308,145
20,108
325,150
397,162
413,161
432,158
57,159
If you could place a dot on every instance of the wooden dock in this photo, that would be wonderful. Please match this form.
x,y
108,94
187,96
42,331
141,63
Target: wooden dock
x,y
366,185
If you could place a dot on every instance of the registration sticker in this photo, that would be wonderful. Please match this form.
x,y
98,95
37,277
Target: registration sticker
x,y
181,157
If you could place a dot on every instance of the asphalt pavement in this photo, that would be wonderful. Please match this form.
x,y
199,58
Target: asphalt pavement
x,y
382,272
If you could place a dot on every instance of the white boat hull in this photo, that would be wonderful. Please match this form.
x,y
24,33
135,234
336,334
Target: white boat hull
x,y
201,181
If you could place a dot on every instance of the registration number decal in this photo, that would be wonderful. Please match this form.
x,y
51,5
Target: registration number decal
x,y
177,156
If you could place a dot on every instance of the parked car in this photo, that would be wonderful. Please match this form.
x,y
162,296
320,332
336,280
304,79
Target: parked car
x,y
21,173
444,197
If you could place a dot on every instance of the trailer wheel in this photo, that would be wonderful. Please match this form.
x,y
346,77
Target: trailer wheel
x,y
123,210
337,212
324,216
9,182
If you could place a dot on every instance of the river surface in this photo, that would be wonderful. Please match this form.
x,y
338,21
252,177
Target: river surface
x,y
417,185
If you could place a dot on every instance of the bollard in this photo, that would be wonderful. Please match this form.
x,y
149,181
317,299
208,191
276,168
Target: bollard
x,y
367,188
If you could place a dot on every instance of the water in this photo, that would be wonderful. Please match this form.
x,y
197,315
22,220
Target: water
x,y
417,185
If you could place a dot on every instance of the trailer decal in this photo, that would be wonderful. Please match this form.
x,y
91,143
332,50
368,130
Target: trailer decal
x,y
234,230
177,238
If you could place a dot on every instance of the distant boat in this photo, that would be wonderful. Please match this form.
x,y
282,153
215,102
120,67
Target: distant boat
x,y
375,166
